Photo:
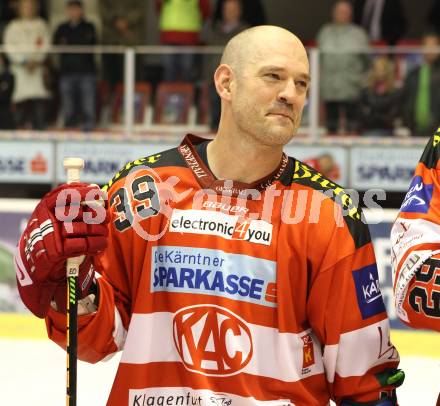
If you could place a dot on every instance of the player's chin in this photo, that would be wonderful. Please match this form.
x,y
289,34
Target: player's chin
x,y
286,129
280,136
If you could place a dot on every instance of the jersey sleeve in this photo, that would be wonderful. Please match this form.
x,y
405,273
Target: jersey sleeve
x,y
347,312
103,333
415,239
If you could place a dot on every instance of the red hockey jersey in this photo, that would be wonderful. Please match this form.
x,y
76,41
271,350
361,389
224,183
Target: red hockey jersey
x,y
416,245
223,293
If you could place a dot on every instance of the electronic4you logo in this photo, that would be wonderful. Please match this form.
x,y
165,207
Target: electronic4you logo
x,y
212,340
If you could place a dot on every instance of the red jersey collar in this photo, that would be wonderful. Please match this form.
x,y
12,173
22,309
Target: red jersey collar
x,y
206,178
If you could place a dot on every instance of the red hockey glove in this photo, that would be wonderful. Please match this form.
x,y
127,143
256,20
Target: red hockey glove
x,y
60,227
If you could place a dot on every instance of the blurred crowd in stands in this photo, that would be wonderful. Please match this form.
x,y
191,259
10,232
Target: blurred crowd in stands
x,y
378,94
365,87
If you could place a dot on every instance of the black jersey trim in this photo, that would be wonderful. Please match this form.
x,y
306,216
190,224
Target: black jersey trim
x,y
170,157
352,213
431,153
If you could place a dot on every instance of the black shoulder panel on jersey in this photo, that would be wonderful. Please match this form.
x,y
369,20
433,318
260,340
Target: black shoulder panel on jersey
x,y
170,157
286,176
352,213
431,154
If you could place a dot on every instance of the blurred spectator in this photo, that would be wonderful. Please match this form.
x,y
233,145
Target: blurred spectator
x,y
9,11
57,13
123,24
219,33
6,89
325,164
384,20
252,12
344,61
180,23
433,17
30,35
379,102
43,9
420,97
77,71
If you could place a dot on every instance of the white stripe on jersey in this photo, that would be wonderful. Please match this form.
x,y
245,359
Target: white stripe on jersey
x,y
407,233
119,332
350,358
404,276
275,355
189,396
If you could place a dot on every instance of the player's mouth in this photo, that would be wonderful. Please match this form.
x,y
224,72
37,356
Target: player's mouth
x,y
285,115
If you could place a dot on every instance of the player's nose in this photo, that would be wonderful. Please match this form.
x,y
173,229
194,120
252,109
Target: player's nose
x,y
288,93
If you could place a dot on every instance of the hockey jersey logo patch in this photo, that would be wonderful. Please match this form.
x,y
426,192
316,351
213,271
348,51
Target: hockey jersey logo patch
x,y
308,353
222,225
215,273
418,197
212,340
369,296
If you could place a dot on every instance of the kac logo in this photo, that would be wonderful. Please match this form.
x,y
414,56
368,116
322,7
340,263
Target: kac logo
x,y
418,198
368,292
212,340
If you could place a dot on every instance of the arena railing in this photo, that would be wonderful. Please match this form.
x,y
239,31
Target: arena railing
x,y
313,127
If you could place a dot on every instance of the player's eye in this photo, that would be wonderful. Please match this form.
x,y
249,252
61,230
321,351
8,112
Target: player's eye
x,y
273,76
301,84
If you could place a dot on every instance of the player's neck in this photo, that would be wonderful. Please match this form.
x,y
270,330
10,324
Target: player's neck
x,y
237,159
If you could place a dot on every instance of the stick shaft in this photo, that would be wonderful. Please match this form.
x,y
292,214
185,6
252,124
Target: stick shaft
x,y
72,340
73,167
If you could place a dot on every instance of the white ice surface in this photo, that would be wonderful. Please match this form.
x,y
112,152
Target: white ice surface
x,y
33,373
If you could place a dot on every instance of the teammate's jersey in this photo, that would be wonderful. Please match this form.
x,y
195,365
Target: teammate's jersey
x,y
415,240
224,293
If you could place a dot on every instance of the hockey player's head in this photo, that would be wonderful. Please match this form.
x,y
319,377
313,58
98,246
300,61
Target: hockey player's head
x,y
263,80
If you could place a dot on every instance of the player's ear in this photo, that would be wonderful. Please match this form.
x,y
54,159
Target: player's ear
x,y
223,77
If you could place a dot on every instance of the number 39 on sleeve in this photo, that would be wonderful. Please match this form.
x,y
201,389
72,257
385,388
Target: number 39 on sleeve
x,y
138,198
